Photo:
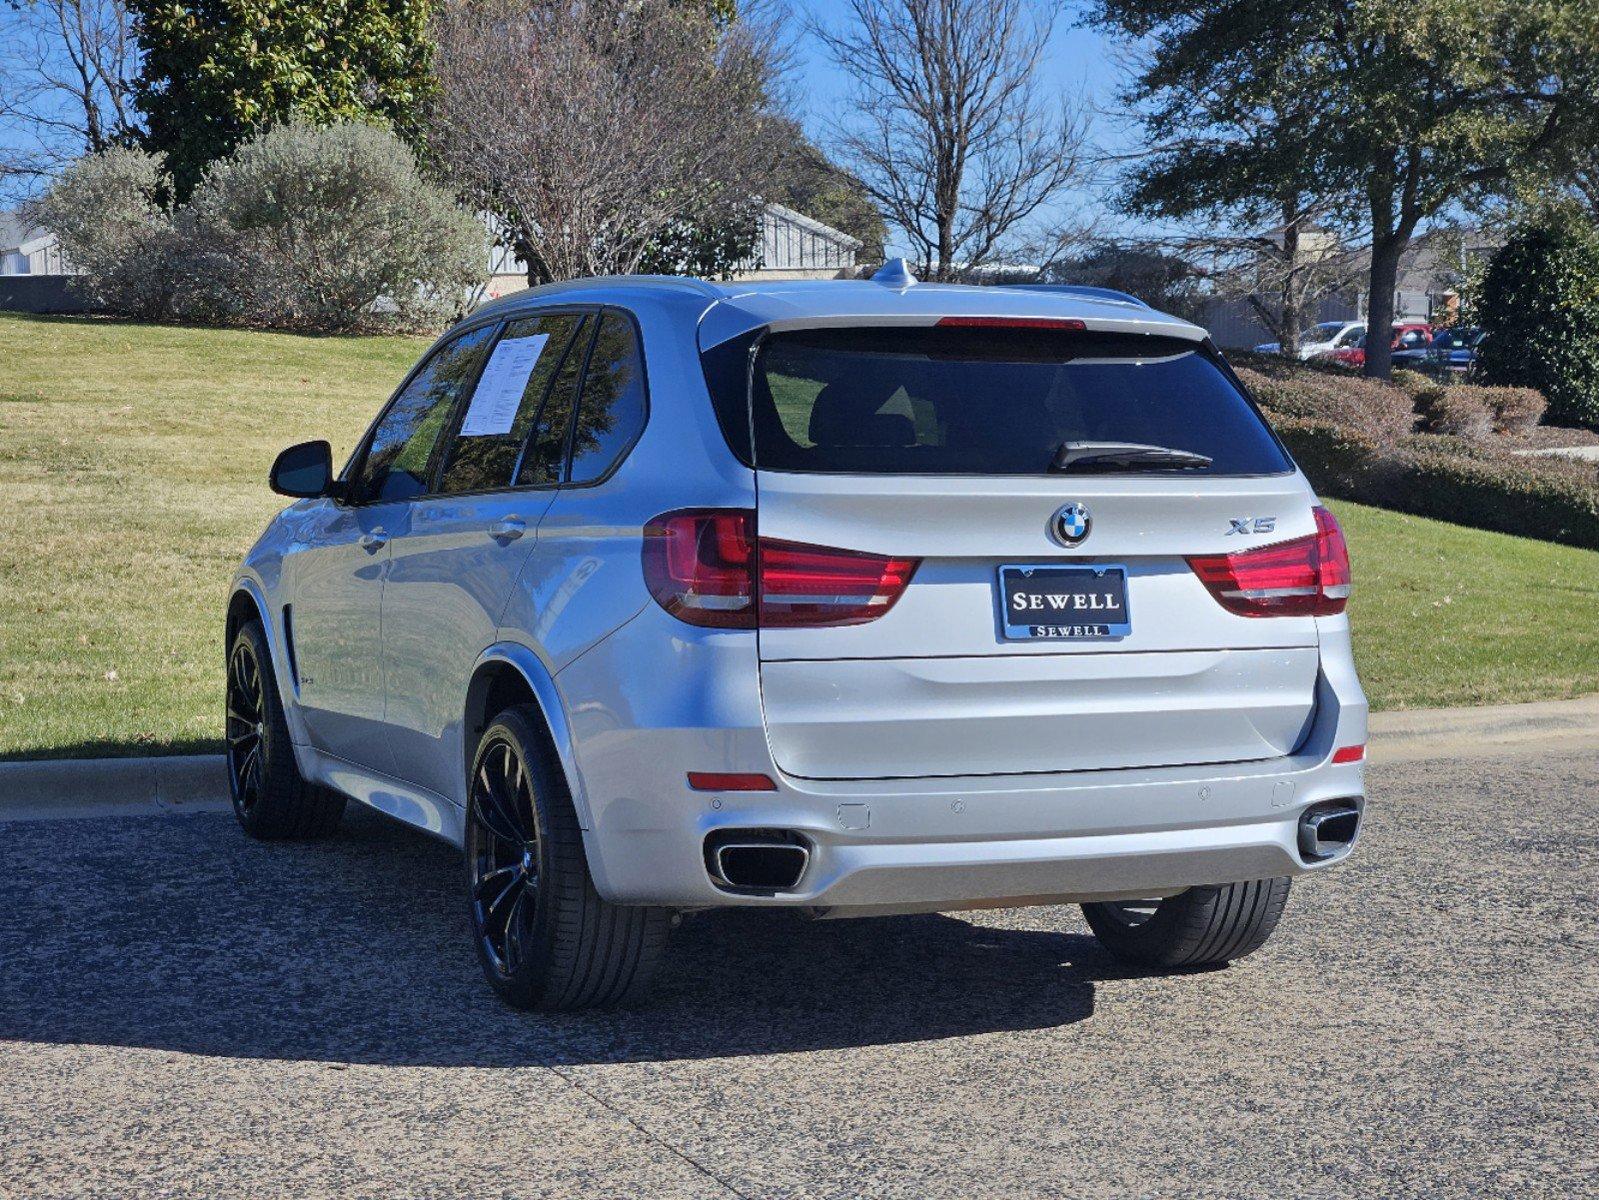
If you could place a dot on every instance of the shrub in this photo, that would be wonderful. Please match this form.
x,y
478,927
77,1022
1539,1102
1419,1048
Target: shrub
x,y
109,213
1413,383
1539,303
1352,437
1457,411
329,229
1516,410
1349,400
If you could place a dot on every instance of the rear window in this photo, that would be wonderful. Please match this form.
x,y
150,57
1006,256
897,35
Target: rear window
x,y
914,401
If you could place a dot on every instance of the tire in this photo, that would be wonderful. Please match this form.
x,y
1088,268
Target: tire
x,y
270,798
544,937
1201,927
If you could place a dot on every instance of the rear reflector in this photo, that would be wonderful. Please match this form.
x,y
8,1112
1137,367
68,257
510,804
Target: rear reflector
x,y
714,781
1011,323
1349,754
1307,577
707,567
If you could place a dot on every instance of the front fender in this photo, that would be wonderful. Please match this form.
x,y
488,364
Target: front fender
x,y
249,585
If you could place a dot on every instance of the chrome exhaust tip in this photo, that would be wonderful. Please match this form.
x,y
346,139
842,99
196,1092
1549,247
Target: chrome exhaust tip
x,y
752,860
1328,830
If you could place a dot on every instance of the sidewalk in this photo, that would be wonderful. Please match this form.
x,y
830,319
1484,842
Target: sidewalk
x,y
198,783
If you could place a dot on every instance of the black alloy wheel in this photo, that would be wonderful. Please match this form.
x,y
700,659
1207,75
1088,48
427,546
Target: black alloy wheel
x,y
504,859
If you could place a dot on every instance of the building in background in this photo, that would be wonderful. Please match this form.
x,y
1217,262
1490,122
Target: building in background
x,y
794,246
28,250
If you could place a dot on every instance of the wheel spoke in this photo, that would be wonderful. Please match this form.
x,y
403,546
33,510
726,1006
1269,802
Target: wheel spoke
x,y
497,912
490,813
514,929
248,737
492,881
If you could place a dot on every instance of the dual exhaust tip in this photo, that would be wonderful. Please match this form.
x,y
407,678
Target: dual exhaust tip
x,y
1328,830
756,860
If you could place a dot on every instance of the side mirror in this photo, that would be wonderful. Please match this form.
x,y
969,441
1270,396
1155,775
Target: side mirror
x,y
303,471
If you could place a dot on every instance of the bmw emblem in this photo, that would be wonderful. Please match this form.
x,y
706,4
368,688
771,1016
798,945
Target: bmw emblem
x,y
1071,524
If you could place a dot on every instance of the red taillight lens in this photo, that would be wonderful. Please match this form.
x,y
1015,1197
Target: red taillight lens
x,y
812,585
699,564
1307,577
1349,754
706,567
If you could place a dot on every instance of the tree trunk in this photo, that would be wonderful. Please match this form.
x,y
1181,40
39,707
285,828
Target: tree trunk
x,y
1380,307
1293,314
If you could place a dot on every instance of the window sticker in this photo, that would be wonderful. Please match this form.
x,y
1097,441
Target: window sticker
x,y
499,393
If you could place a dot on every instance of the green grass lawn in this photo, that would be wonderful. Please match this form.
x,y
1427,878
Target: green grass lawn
x,y
133,466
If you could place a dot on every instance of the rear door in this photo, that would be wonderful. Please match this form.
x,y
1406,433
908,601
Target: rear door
x,y
465,542
1053,622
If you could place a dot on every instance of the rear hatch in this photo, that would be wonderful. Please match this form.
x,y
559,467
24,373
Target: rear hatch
x,y
1052,619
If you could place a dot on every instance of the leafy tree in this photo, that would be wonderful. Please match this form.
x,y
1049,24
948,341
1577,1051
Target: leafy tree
x,y
216,71
1539,303
811,183
1167,281
1397,112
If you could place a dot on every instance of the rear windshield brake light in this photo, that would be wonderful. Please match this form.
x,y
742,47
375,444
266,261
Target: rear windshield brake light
x,y
1012,323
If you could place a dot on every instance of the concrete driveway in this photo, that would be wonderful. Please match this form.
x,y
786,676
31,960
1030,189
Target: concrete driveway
x,y
186,1013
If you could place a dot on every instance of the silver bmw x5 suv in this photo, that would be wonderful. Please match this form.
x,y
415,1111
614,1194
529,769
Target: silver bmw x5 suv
x,y
854,598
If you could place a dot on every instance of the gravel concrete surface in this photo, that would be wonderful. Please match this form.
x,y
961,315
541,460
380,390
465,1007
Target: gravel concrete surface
x,y
187,1013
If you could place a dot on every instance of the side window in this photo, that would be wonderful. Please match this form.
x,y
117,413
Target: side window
x,y
505,402
546,453
395,466
611,413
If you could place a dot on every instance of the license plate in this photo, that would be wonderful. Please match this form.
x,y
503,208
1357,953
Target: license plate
x,y
1072,603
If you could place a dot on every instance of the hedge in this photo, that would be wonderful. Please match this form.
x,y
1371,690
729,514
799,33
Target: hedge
x,y
1357,444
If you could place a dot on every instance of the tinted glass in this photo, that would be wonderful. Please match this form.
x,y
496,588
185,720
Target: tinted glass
x,y
611,414
546,453
990,402
505,402
396,462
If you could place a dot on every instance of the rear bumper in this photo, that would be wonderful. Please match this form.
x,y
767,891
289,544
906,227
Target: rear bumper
x,y
929,844
948,844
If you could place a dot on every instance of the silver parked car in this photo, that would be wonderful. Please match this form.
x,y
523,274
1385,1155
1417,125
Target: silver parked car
x,y
852,598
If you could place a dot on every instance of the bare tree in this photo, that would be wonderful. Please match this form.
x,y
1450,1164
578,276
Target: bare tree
x,y
593,128
949,127
66,87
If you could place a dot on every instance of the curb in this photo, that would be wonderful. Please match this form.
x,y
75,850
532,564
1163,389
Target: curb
x,y
1543,727
90,787
197,783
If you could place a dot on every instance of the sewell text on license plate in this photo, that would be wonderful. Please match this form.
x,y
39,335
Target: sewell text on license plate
x,y
1086,601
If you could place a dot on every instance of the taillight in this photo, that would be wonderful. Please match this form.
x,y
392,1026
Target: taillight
x,y
707,567
699,564
1307,577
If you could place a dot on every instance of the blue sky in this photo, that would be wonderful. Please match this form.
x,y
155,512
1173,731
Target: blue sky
x,y
1080,62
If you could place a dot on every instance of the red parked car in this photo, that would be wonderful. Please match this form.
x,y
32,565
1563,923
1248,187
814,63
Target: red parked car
x,y
1408,335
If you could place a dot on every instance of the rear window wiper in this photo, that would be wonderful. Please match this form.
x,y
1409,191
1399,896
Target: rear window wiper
x,y
1092,456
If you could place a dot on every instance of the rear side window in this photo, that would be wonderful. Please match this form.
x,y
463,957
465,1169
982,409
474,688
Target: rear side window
x,y
611,413
497,419
395,466
983,401
546,451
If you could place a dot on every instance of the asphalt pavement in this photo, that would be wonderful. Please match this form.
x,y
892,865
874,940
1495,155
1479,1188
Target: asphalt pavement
x,y
184,1012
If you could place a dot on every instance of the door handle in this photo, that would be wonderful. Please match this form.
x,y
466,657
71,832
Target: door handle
x,y
508,529
374,541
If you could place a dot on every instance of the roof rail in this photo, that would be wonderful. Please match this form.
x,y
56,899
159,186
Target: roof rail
x,y
1084,290
688,283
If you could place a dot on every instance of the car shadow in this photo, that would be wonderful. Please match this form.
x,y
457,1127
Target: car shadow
x,y
179,933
